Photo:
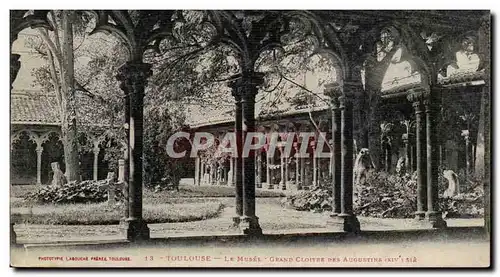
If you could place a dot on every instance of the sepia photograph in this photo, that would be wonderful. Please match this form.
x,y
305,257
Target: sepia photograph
x,y
184,138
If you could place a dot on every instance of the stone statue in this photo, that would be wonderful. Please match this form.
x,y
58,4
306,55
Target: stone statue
x,y
58,178
453,184
363,163
400,166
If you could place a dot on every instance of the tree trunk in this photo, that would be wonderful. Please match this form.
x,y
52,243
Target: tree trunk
x,y
69,128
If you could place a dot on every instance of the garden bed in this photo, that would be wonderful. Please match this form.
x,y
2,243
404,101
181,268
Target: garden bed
x,y
102,214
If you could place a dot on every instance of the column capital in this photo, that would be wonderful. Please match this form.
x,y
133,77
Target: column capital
x,y
247,84
418,95
353,88
39,149
334,91
133,73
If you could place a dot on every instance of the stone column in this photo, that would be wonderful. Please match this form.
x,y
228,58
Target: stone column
x,y
315,165
336,151
416,99
433,215
302,173
297,165
407,153
351,223
465,134
39,151
282,168
249,221
95,169
258,179
230,177
125,86
237,91
197,171
269,178
134,75
285,181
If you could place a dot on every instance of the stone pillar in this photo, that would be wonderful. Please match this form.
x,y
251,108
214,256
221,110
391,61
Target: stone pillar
x,y
302,173
237,91
416,99
315,165
433,215
336,151
282,168
269,177
258,179
134,75
230,175
285,181
407,153
351,223
39,151
197,171
125,86
297,165
249,221
95,169
465,134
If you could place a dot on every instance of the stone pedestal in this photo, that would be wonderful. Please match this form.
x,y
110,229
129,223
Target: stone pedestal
x,y
135,229
249,225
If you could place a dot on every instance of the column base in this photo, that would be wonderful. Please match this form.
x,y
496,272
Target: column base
x,y
258,185
350,223
236,223
435,219
335,222
13,236
250,226
135,229
270,186
420,215
283,186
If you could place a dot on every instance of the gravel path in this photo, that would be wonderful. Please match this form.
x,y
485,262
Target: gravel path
x,y
273,218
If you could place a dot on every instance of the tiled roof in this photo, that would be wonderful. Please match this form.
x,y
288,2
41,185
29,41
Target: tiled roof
x,y
33,108
276,103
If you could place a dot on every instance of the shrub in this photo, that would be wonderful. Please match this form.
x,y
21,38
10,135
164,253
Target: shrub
x,y
387,195
73,192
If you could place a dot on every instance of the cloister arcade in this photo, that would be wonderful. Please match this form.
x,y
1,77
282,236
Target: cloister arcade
x,y
404,60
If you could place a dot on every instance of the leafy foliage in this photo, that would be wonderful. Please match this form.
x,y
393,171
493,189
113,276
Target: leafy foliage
x,y
73,192
392,196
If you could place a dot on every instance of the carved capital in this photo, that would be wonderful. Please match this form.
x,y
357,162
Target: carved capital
x,y
39,150
334,91
353,89
133,75
418,94
236,88
249,84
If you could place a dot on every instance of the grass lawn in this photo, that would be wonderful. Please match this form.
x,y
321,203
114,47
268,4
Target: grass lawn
x,y
190,203
101,213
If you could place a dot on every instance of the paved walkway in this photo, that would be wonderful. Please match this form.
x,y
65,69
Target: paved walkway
x,y
274,219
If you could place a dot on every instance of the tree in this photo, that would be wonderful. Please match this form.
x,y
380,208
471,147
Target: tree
x,y
80,72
